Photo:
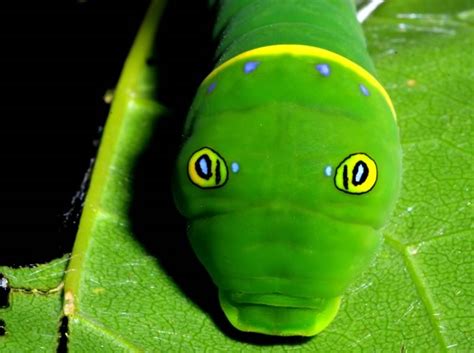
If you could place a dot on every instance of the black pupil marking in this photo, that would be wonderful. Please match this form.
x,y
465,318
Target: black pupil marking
x,y
359,173
205,174
345,179
218,172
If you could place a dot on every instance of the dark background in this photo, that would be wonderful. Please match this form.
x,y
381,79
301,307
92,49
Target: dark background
x,y
57,61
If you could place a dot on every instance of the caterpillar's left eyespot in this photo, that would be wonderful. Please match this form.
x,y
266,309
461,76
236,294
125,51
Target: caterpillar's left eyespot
x,y
356,174
207,169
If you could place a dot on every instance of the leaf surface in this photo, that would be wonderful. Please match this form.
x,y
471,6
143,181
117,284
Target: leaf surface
x,y
31,313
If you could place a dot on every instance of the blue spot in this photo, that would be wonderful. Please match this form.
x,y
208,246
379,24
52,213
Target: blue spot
x,y
203,166
323,69
250,66
328,171
235,167
364,90
211,87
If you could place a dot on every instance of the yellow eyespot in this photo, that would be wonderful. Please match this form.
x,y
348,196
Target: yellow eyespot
x,y
356,174
207,169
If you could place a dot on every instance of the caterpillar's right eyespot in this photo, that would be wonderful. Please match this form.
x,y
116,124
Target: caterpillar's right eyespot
x,y
207,169
356,174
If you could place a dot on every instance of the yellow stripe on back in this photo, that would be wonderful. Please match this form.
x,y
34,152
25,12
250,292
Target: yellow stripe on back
x,y
306,50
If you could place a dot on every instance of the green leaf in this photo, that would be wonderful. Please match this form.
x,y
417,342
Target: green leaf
x,y
32,316
123,293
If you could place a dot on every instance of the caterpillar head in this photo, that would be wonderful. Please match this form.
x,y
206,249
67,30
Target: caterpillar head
x,y
285,191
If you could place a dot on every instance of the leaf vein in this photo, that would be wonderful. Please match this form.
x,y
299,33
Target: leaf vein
x,y
421,288
98,327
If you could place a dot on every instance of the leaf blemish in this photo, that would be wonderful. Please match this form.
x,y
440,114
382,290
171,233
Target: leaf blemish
x,y
98,290
4,292
69,306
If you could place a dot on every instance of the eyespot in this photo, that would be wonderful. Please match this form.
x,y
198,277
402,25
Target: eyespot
x,y
207,169
356,174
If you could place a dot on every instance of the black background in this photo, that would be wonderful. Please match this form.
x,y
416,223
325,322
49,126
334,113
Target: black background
x,y
57,60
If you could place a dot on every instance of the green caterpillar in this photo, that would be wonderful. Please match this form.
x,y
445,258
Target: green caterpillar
x,y
291,163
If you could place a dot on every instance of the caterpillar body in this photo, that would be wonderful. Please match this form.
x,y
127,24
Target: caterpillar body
x,y
291,163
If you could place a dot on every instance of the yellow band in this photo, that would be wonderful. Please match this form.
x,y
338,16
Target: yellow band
x,y
306,50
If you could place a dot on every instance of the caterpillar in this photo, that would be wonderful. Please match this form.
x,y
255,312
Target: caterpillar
x,y
290,165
